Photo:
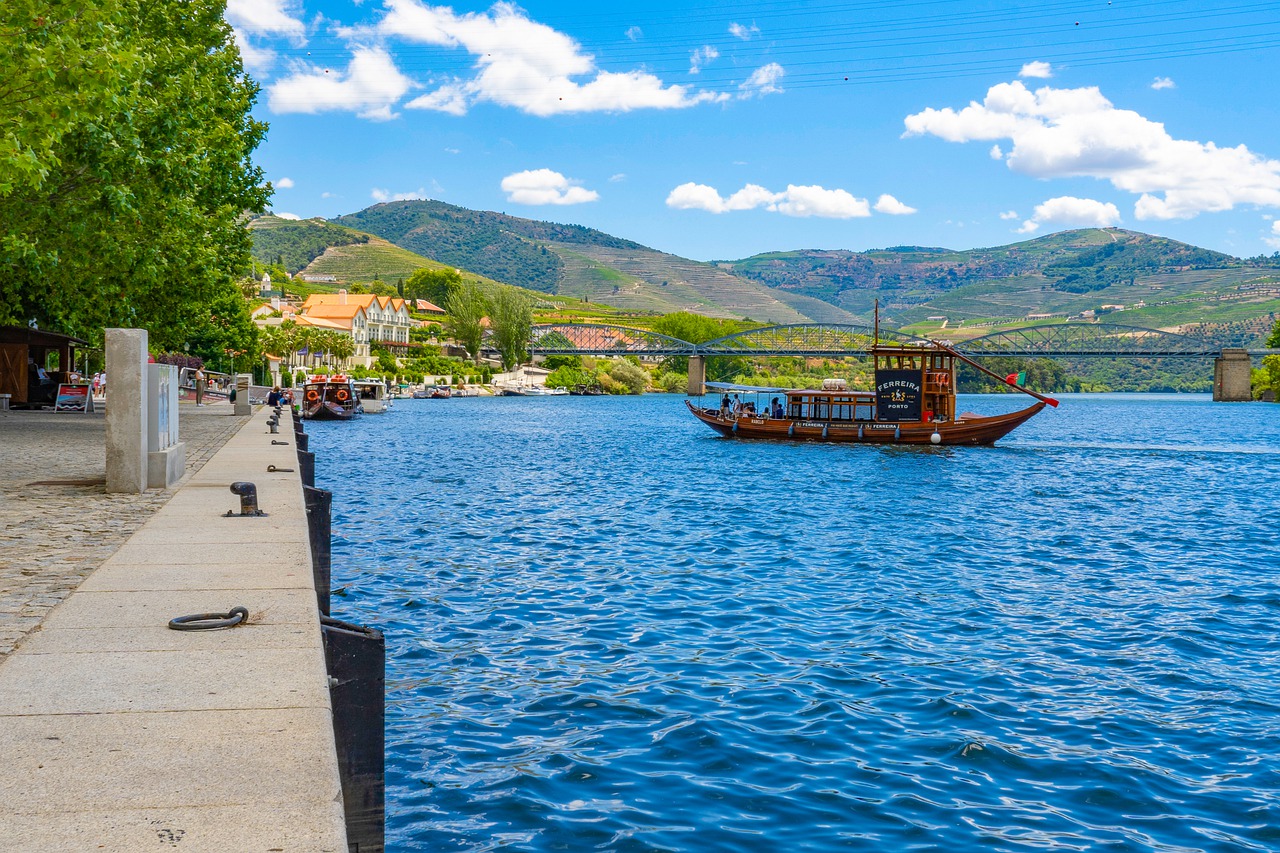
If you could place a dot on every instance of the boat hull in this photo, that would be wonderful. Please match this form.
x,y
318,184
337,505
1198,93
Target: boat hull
x,y
962,431
329,402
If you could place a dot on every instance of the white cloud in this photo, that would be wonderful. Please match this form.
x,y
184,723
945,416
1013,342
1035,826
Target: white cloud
x,y
327,194
693,196
381,195
265,17
523,64
829,204
1071,211
996,153
1274,240
745,33
763,81
1069,133
283,215
284,184
262,18
1163,83
369,87
543,186
800,201
890,205
1036,69
701,57
634,33
258,60
1009,214
621,176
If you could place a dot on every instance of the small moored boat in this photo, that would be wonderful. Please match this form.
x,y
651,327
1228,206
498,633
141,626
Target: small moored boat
x,y
372,396
332,398
914,402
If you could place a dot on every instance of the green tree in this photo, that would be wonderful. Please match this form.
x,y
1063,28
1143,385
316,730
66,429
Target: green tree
x,y
631,376
1273,342
697,329
466,307
435,286
125,143
511,321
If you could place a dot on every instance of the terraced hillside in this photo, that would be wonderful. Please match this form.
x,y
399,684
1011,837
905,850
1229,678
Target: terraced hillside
x,y
1130,277
579,262
376,259
639,277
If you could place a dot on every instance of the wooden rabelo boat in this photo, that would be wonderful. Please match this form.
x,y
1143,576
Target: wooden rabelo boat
x,y
329,398
914,402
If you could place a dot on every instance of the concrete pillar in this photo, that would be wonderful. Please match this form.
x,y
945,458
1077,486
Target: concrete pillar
x,y
126,351
697,375
243,406
1232,377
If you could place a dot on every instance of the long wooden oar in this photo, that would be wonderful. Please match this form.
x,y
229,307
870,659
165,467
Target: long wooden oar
x,y
1042,398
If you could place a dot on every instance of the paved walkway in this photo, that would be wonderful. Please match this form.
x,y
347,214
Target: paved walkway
x,y
120,735
57,524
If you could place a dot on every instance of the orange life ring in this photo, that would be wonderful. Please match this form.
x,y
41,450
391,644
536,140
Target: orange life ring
x,y
944,378
341,394
313,395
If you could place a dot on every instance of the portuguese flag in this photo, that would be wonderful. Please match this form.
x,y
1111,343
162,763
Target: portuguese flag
x,y
1019,378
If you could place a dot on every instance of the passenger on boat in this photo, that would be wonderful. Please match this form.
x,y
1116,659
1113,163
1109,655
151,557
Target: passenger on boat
x,y
778,411
737,406
724,406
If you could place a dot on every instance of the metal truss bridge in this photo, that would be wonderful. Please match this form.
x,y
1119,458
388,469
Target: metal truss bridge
x,y
835,340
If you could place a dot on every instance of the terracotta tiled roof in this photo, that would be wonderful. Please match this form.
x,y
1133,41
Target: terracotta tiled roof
x,y
324,323
344,312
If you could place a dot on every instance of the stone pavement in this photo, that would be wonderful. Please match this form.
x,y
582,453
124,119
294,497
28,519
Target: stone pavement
x,y
121,735
57,524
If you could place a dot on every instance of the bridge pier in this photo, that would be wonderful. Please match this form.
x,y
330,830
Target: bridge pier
x,y
1232,377
697,375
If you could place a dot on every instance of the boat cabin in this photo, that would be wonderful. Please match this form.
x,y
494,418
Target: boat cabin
x,y
913,385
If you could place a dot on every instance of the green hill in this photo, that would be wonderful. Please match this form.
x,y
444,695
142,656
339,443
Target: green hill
x,y
295,243
505,248
1127,276
581,262
1137,278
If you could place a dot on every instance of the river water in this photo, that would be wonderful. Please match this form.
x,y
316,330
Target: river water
x,y
609,629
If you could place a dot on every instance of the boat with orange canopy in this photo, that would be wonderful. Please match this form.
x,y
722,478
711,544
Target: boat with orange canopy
x,y
331,398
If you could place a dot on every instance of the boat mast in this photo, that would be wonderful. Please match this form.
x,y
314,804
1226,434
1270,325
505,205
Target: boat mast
x,y
877,322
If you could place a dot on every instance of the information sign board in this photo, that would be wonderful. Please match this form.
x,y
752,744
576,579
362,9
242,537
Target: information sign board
x,y
73,398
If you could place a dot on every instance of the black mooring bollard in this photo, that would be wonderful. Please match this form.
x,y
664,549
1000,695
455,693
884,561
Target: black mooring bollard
x,y
356,658
319,525
307,467
248,493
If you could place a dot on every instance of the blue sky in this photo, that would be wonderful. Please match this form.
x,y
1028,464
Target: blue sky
x,y
716,130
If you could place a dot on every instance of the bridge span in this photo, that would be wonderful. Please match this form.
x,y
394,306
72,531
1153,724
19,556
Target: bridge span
x,y
838,340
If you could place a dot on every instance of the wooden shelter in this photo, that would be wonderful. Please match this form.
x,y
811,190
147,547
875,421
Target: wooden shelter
x,y
21,346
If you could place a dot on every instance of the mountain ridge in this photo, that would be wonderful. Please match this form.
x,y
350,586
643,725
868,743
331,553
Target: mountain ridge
x,y
1083,271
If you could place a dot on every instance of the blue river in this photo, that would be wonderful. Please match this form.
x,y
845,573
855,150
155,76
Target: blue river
x,y
609,629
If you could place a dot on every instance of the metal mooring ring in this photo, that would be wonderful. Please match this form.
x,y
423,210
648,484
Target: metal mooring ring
x,y
209,621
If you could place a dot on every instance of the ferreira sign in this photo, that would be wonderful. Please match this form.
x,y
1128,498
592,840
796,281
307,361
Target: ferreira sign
x,y
898,395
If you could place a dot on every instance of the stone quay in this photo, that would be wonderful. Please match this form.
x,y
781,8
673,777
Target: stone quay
x,y
121,734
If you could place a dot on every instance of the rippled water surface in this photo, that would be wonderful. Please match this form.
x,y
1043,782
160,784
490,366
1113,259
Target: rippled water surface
x,y
609,629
